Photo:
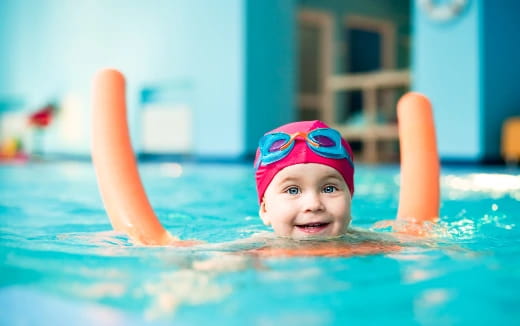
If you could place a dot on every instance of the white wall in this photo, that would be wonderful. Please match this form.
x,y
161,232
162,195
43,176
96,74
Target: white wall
x,y
51,49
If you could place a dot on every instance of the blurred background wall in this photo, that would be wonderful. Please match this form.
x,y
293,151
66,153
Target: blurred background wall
x,y
468,66
207,78
185,51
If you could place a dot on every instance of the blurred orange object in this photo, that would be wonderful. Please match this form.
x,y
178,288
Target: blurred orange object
x,y
511,140
11,150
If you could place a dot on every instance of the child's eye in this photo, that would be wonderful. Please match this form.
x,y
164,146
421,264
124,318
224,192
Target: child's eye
x,y
329,189
293,191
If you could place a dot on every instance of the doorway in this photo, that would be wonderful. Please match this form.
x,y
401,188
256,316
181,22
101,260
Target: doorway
x,y
369,46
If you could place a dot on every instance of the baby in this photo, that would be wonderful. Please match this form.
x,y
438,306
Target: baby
x,y
304,179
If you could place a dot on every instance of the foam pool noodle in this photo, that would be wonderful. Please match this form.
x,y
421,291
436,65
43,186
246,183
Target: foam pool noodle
x,y
420,190
118,179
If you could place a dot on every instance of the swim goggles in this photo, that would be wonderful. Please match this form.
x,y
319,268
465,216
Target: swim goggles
x,y
325,142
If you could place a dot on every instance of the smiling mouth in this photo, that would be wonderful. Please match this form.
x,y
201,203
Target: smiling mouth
x,y
312,227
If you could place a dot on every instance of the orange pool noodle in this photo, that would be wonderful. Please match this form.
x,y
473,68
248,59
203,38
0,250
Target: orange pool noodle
x,y
420,191
511,140
118,179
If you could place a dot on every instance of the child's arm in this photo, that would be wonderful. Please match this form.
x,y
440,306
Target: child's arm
x,y
420,191
118,178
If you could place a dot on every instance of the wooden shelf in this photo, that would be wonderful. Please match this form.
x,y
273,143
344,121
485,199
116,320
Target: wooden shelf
x,y
372,132
386,132
383,79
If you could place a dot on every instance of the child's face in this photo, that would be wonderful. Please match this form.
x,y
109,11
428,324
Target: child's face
x,y
306,201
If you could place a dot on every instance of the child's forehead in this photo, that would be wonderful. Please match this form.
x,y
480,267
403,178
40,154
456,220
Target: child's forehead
x,y
307,171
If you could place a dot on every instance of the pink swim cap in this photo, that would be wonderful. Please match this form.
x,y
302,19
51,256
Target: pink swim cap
x,y
301,153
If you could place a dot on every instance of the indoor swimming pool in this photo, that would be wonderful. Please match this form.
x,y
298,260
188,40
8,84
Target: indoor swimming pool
x,y
61,264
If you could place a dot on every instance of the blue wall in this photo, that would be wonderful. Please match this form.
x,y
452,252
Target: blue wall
x,y
52,47
469,69
446,68
270,67
501,70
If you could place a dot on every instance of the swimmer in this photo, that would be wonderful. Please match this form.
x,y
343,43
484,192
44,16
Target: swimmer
x,y
304,175
305,185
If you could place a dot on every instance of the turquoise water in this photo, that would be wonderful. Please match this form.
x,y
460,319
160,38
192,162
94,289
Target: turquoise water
x,y
62,264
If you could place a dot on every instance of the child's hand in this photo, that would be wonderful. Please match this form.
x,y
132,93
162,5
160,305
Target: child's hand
x,y
416,228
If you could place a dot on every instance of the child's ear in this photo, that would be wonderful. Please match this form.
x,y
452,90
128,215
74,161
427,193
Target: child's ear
x,y
263,214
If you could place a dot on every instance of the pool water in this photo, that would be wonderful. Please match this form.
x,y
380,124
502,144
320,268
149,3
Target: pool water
x,y
61,264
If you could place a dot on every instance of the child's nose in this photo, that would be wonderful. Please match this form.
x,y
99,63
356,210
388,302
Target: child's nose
x,y
313,202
